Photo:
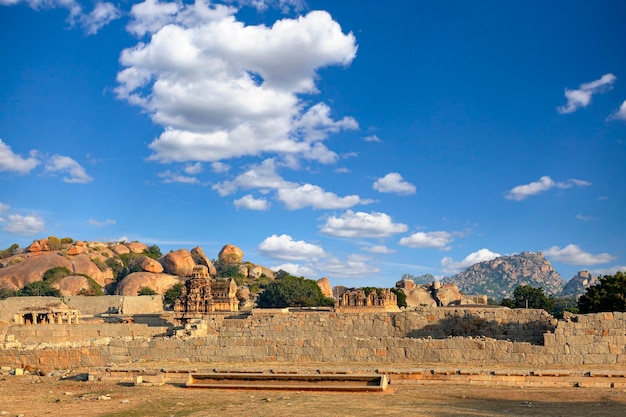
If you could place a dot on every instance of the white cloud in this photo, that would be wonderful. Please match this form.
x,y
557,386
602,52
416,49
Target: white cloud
x,y
64,164
296,270
170,177
248,202
220,167
99,223
10,161
544,183
379,249
361,224
394,183
586,218
309,195
222,89
24,225
619,114
608,271
449,266
3,209
372,138
193,169
285,248
582,96
353,266
436,240
262,176
574,255
102,14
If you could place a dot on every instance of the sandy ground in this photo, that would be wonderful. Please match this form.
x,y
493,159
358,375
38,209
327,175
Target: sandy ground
x,y
31,395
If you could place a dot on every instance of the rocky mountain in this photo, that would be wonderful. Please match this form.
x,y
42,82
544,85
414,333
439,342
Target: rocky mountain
x,y
425,279
499,277
122,268
579,283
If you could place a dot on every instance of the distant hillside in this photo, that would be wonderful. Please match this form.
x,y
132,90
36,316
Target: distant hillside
x,y
499,277
578,285
420,279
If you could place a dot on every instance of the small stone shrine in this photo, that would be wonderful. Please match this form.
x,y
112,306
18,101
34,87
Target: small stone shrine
x,y
201,295
358,301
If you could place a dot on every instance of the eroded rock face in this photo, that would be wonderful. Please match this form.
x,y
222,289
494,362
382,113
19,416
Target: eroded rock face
x,y
230,255
136,247
72,285
160,283
120,249
179,263
30,269
406,284
324,285
83,264
200,258
150,265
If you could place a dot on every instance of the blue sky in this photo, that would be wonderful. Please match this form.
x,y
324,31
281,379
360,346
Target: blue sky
x,y
326,139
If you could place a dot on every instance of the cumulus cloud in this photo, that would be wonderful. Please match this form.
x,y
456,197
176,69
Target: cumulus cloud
x,y
574,255
449,266
379,249
372,138
3,209
619,114
360,224
220,167
394,183
545,183
313,196
12,162
581,97
248,202
285,248
223,89
193,169
261,176
102,14
74,173
98,223
170,177
586,218
296,270
435,240
608,271
24,225
353,266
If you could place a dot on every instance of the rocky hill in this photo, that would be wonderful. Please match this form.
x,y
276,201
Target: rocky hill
x,y
499,277
578,285
425,279
121,268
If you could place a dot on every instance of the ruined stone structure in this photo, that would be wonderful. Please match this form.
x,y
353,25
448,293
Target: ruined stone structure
x,y
357,300
202,295
47,316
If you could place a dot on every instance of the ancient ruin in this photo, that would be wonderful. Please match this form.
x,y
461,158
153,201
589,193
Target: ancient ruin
x,y
357,300
201,295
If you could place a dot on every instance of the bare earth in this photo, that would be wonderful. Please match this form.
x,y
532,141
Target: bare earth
x,y
31,395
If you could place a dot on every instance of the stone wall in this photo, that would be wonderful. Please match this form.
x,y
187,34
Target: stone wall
x,y
376,338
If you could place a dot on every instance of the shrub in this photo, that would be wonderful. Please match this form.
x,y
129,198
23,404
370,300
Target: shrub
x,y
290,291
172,294
54,243
530,297
55,274
102,266
608,295
5,253
67,240
38,288
153,252
6,293
146,291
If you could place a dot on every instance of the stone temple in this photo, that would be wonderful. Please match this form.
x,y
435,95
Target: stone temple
x,y
202,295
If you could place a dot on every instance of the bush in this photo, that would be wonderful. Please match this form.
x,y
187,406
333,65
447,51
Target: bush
x,y
55,274
290,291
608,295
172,294
54,243
67,240
6,293
5,253
102,266
118,268
153,252
39,288
146,291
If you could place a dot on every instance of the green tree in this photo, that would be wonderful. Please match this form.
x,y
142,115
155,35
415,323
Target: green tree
x,y
608,295
146,291
55,274
172,294
5,253
38,288
153,252
290,291
531,297
6,293
54,243
401,296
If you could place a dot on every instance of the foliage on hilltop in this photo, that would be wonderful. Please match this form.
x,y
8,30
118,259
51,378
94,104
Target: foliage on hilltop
x,y
608,295
290,291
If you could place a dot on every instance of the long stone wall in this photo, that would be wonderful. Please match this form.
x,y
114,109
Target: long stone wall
x,y
370,338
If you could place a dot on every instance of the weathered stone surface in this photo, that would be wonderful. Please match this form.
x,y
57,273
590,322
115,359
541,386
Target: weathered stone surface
x,y
268,272
254,271
35,247
131,284
179,263
30,269
82,264
406,284
200,258
150,265
120,249
136,247
230,255
72,285
75,250
243,269
324,285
